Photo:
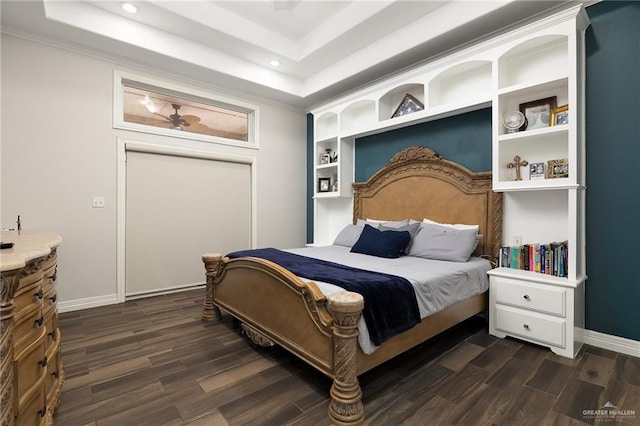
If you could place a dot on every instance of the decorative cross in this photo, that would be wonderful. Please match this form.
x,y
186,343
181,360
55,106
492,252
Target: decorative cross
x,y
517,164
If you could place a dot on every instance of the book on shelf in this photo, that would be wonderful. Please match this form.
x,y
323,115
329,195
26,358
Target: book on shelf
x,y
547,258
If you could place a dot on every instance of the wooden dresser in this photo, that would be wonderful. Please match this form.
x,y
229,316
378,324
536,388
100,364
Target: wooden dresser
x,y
31,373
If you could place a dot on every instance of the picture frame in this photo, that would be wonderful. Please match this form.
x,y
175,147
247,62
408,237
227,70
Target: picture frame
x,y
325,158
408,105
324,184
537,171
560,115
557,168
538,112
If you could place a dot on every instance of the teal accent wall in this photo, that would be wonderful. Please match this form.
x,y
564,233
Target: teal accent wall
x,y
310,166
464,138
613,159
612,154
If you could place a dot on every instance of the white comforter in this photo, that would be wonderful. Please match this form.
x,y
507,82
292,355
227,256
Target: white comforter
x,y
437,283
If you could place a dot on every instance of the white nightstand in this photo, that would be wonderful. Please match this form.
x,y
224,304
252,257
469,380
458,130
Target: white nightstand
x,y
538,308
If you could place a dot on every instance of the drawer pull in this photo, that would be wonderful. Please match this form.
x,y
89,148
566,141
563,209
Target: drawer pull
x,y
43,411
39,294
52,334
53,298
43,362
526,297
39,321
56,374
54,276
526,326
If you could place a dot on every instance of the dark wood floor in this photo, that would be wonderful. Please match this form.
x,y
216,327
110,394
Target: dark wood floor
x,y
154,362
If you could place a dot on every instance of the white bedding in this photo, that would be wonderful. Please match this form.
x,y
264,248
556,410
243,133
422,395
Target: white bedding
x,y
437,283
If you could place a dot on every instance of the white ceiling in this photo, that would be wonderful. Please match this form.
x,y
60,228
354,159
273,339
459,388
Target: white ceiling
x,y
325,47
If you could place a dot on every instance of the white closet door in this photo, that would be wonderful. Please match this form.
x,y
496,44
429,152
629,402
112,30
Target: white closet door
x,y
178,208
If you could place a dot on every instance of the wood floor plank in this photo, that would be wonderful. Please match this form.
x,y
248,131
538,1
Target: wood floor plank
x,y
511,376
595,369
460,356
529,407
462,384
627,369
236,374
495,356
551,377
578,396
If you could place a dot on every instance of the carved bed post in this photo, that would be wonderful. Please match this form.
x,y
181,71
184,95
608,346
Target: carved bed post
x,y
346,406
214,265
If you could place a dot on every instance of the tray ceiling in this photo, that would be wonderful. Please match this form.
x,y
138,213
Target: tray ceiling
x,y
324,47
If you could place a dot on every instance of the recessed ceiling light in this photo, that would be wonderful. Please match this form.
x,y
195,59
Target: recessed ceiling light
x,y
275,63
129,7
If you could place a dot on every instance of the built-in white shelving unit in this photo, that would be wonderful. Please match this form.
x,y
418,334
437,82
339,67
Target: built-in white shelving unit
x,y
534,61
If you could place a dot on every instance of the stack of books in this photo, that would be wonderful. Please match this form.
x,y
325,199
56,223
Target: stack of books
x,y
549,259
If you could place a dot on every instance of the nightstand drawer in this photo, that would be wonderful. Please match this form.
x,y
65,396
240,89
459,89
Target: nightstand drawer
x,y
533,297
547,330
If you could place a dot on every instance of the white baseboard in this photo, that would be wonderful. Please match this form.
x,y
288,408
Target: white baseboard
x,y
112,299
89,302
612,343
166,290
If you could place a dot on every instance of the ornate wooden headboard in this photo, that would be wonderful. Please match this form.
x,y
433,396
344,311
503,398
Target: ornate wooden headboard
x,y
417,183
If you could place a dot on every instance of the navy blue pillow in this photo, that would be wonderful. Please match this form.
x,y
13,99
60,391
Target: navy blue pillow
x,y
389,244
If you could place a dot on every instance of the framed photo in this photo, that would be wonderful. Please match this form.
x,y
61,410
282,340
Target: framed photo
x,y
324,184
325,158
560,115
537,171
408,105
557,168
538,113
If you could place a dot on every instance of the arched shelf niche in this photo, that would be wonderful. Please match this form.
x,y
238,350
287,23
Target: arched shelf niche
x,y
389,101
542,58
327,125
358,114
468,80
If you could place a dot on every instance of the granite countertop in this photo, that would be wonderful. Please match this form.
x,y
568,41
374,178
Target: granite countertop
x,y
30,244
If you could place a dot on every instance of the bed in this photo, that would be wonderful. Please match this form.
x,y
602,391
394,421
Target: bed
x,y
275,306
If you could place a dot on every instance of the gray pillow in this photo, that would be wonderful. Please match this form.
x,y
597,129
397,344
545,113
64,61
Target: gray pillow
x,y
348,236
387,223
443,243
411,229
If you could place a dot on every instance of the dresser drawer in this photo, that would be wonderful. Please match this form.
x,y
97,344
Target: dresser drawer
x,y
27,298
34,410
536,327
30,368
533,297
54,371
28,328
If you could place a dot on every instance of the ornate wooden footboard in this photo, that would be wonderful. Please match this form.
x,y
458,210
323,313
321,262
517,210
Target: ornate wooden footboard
x,y
277,307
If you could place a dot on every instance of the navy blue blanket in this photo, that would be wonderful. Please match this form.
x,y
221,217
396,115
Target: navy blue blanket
x,y
390,304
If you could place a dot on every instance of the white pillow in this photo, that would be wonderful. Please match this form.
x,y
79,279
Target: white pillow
x,y
452,225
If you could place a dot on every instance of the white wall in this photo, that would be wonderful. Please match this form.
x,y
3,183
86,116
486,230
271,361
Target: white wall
x,y
59,149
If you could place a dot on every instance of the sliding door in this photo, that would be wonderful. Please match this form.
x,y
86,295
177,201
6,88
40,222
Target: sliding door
x,y
178,208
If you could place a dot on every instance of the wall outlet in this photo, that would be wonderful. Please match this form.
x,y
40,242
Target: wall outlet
x,y
98,202
517,240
